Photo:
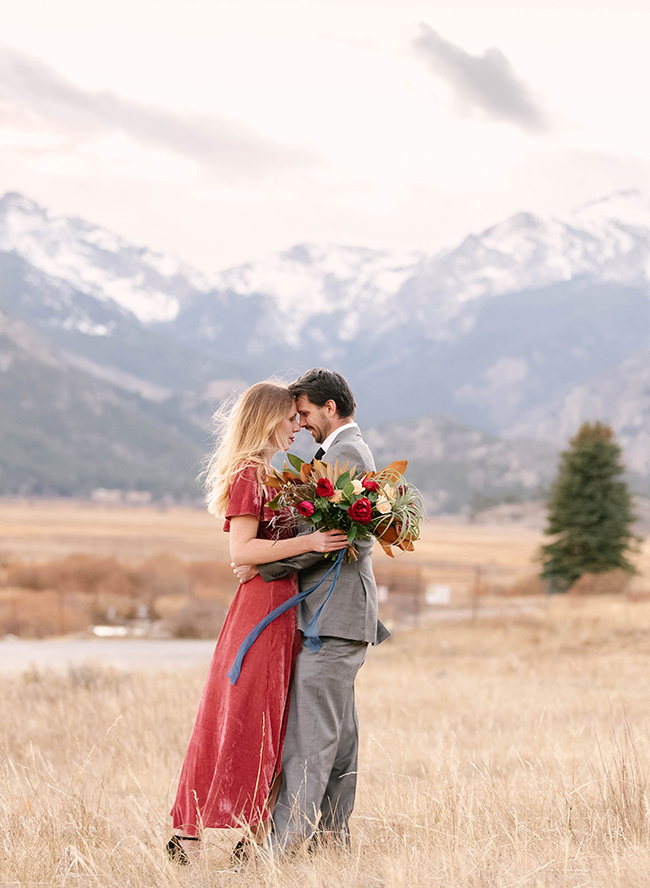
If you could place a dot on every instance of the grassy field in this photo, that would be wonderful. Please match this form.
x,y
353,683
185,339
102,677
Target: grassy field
x,y
41,530
511,751
501,753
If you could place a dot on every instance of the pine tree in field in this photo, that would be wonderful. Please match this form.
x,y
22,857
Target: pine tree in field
x,y
590,511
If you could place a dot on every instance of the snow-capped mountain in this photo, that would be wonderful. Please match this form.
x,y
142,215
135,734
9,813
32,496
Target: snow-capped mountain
x,y
496,331
606,240
338,300
95,261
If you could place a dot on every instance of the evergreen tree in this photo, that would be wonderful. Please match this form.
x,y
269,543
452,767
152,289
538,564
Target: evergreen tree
x,y
590,511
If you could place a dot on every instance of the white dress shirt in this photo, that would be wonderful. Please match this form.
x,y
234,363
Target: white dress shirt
x,y
327,443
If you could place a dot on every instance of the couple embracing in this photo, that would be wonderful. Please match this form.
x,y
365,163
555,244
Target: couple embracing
x,y
276,752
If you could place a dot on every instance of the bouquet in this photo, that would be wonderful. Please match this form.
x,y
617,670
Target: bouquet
x,y
364,505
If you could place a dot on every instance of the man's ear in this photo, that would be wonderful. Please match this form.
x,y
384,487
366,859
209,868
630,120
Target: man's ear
x,y
331,408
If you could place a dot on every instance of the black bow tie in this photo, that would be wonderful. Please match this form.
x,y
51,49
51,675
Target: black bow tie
x,y
320,453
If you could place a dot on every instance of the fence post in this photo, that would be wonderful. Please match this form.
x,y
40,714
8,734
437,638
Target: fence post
x,y
476,591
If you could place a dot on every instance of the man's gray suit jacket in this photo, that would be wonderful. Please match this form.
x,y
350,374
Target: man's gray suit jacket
x,y
351,611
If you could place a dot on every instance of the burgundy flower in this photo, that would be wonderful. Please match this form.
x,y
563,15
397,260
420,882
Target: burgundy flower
x,y
370,485
305,508
324,487
361,511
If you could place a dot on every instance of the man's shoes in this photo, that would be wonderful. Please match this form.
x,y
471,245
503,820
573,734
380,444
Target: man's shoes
x,y
322,839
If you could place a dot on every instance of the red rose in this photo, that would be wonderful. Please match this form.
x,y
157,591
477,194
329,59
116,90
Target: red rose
x,y
370,485
361,511
325,487
305,508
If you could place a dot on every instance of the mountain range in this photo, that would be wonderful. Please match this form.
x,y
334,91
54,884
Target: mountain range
x,y
504,342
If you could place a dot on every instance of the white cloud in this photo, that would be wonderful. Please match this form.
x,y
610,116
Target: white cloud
x,y
33,93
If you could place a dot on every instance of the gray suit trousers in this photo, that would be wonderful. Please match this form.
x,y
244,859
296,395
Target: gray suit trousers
x,y
319,764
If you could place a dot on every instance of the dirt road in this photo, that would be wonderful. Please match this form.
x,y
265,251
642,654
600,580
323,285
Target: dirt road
x,y
17,656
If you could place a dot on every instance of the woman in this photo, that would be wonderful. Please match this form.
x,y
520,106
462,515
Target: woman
x,y
232,765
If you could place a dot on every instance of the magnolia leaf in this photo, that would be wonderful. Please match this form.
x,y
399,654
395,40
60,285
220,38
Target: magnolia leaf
x,y
388,535
352,534
274,504
386,547
343,480
394,471
295,461
399,465
305,470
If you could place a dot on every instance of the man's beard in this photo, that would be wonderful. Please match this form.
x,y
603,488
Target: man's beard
x,y
321,434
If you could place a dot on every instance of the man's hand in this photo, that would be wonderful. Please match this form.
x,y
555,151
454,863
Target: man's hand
x,y
244,572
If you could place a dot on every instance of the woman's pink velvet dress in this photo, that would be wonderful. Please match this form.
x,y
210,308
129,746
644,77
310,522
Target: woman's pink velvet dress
x,y
235,749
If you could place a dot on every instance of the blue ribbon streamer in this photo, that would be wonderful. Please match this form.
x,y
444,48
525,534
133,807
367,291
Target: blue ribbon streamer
x,y
312,641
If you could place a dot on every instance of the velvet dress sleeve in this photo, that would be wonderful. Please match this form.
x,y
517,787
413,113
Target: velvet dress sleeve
x,y
245,496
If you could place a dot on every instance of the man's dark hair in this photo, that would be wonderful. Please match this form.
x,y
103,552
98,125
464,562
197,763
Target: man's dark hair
x,y
320,385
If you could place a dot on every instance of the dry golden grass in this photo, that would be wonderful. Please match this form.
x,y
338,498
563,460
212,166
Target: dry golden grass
x,y
40,530
504,753
43,530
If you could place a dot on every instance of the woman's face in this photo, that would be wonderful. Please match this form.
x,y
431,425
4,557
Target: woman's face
x,y
288,429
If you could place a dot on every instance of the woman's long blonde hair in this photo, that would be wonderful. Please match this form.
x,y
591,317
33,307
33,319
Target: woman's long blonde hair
x,y
245,428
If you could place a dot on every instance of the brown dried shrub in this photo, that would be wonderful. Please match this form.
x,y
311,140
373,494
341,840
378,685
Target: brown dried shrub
x,y
32,614
531,584
27,576
611,582
213,580
91,585
81,573
198,619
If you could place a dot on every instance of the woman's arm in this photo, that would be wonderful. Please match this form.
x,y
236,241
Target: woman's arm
x,y
245,548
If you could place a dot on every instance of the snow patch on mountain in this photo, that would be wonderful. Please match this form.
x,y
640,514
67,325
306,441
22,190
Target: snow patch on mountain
x,y
312,278
529,251
150,285
606,240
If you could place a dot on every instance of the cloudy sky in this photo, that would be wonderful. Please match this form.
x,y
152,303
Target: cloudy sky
x,y
222,130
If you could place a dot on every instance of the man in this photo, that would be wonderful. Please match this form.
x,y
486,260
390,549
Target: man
x,y
319,763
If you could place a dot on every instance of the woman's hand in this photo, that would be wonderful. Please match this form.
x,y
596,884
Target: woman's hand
x,y
328,540
244,572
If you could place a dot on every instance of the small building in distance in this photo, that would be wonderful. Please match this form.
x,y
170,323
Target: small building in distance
x,y
107,497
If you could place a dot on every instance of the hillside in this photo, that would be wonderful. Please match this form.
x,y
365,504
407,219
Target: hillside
x,y
63,433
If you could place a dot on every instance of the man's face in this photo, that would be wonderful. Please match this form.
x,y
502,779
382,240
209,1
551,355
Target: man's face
x,y
317,420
